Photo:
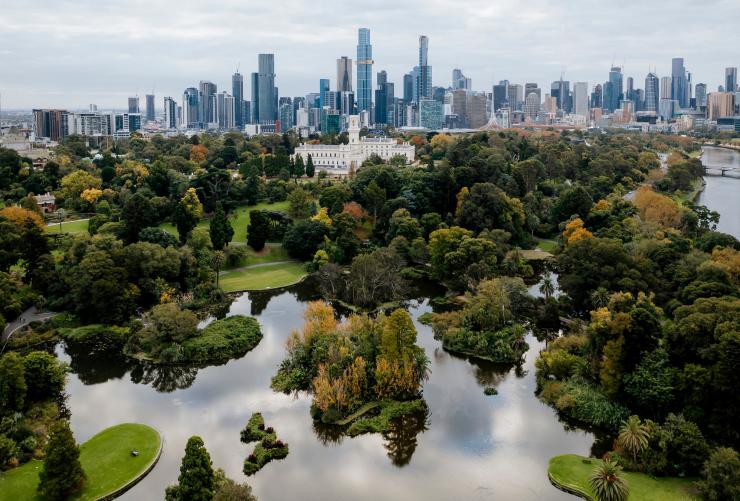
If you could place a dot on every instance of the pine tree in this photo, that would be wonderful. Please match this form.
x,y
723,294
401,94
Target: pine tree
x,y
197,481
310,171
257,230
221,230
299,169
62,473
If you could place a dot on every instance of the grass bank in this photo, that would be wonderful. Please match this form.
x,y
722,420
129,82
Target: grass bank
x,y
570,473
106,459
239,219
266,276
79,226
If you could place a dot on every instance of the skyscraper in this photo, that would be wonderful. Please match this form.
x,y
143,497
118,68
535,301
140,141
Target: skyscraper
x,y
150,107
344,74
408,88
580,98
207,101
237,90
323,89
133,104
530,87
190,108
652,93
170,113
364,70
266,91
666,88
384,100
730,79
613,89
701,95
424,77
460,81
500,92
597,97
255,107
679,87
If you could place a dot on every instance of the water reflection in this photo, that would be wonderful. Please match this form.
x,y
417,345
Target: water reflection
x,y
721,193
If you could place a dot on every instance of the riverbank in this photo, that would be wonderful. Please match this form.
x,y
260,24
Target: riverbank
x,y
571,473
110,466
263,276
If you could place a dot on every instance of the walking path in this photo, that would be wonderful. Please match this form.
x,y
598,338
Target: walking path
x,y
258,265
30,315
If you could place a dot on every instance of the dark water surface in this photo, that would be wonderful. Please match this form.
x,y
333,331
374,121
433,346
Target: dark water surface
x,y
469,446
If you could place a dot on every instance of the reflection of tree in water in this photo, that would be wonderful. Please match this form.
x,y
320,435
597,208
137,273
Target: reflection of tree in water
x,y
96,366
260,299
303,291
400,439
164,378
328,434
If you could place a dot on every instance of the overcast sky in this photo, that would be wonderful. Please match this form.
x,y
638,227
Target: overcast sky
x,y
57,53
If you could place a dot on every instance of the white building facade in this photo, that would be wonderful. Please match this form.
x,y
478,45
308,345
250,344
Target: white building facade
x,y
340,158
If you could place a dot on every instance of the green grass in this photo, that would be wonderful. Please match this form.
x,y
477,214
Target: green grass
x,y
239,219
106,459
270,254
263,277
389,410
79,226
546,245
571,471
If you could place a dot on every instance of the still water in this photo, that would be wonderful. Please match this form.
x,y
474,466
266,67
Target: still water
x,y
722,193
469,446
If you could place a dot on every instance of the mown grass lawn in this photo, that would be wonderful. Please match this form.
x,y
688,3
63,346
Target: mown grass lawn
x,y
239,219
78,226
106,459
546,245
571,471
269,276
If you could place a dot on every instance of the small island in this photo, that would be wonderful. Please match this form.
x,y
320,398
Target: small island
x,y
171,336
268,446
363,372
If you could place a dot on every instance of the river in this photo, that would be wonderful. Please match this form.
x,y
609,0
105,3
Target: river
x,y
722,193
470,446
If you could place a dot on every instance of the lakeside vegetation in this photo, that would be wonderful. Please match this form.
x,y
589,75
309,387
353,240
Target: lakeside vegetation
x,y
268,276
268,447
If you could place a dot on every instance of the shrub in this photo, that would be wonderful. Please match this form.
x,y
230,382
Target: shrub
x,y
223,340
583,402
721,475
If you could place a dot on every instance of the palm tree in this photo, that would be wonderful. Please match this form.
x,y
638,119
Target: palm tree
x,y
218,259
600,297
547,288
633,436
607,484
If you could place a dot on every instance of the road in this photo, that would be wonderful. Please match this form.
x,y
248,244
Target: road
x,y
28,316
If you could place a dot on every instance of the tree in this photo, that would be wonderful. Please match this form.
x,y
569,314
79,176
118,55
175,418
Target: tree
x,y
196,482
310,170
136,215
187,214
168,324
633,436
12,382
220,230
721,475
547,288
573,201
303,239
334,198
375,197
488,207
607,483
258,229
298,167
300,203
158,236
44,376
61,474
228,490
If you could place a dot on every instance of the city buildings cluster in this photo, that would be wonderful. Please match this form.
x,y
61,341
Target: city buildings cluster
x,y
671,102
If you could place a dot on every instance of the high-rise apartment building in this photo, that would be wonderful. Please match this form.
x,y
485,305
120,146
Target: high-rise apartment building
x,y
170,113
190,108
408,88
424,75
323,89
530,87
700,91
431,114
226,110
597,97
652,93
730,79
133,104
237,90
580,99
364,70
613,89
384,100
531,106
666,88
49,124
207,104
344,74
266,94
460,81
720,104
500,93
149,108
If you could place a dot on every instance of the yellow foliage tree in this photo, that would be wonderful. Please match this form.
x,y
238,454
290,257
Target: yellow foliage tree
x,y
657,208
91,195
198,153
19,215
322,216
574,231
461,196
728,259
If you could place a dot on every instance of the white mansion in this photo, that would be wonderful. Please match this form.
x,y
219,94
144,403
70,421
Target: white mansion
x,y
339,158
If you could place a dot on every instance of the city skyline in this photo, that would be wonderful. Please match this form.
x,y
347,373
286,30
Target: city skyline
x,y
556,41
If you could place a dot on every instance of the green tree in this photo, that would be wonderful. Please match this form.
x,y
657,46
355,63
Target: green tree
x,y
197,481
607,483
228,490
721,476
298,168
303,239
398,335
310,170
258,229
334,198
187,214
12,382
220,230
61,474
44,375
374,197
633,436
547,288
300,203
488,207
137,214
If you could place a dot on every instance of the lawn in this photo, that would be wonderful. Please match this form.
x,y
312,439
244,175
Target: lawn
x,y
569,470
545,244
269,276
106,459
270,254
78,226
239,219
